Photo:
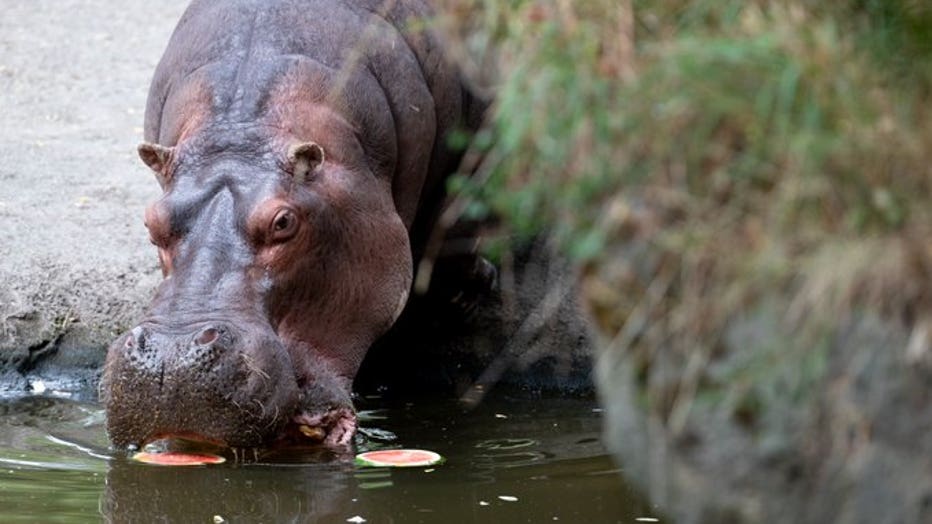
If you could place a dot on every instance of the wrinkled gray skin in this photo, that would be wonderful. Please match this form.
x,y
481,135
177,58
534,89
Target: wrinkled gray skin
x,y
300,146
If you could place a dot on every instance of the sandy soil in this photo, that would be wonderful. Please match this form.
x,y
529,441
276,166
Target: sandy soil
x,y
75,263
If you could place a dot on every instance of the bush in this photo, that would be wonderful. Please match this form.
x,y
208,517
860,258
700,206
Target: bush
x,y
698,159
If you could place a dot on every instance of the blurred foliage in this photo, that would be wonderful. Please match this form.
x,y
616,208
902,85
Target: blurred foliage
x,y
697,157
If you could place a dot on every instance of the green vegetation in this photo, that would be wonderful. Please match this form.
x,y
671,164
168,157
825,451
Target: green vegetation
x,y
704,159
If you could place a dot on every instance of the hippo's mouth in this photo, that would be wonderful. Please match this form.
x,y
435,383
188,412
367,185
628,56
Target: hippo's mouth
x,y
334,429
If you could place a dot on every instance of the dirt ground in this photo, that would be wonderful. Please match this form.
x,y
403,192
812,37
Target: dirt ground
x,y
75,262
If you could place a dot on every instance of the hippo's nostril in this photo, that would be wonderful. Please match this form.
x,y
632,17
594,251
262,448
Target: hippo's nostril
x,y
207,337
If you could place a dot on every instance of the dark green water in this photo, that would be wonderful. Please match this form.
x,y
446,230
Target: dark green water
x,y
507,461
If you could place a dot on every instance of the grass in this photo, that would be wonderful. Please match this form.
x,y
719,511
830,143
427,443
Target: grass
x,y
698,159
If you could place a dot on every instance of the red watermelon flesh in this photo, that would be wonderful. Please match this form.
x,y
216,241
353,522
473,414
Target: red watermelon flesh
x,y
398,458
174,458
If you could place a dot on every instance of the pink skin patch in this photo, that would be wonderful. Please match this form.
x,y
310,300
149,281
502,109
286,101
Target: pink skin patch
x,y
339,424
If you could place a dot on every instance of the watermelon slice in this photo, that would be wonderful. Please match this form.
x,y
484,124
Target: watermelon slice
x,y
174,458
399,458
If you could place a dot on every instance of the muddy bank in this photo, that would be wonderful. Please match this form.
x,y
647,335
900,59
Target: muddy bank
x,y
851,446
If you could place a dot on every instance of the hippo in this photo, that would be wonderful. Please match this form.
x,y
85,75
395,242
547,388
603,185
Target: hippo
x,y
302,148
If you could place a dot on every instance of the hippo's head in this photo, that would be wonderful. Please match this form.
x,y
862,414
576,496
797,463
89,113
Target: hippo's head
x,y
281,267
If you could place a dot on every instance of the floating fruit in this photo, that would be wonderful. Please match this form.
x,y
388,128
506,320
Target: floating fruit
x,y
399,458
173,458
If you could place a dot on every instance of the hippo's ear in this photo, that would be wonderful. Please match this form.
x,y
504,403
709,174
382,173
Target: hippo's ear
x,y
305,158
157,158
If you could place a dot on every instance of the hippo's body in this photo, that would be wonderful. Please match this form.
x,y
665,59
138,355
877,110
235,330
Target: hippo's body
x,y
301,148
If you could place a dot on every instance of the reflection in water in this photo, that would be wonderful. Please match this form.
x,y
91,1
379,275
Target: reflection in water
x,y
506,443
504,460
501,453
515,461
237,494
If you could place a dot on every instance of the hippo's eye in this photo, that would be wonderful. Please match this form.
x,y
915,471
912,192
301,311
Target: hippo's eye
x,y
284,225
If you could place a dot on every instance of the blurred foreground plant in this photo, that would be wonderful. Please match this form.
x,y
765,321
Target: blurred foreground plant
x,y
700,160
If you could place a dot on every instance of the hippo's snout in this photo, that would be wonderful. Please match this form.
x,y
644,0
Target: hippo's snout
x,y
216,382
141,345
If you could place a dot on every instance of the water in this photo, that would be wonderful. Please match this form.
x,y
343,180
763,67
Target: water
x,y
506,461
